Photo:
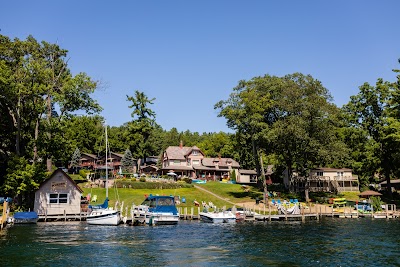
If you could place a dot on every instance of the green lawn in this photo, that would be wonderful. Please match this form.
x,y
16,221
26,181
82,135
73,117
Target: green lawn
x,y
233,192
136,196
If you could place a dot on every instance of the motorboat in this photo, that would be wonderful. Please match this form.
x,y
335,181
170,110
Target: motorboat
x,y
156,210
25,217
218,217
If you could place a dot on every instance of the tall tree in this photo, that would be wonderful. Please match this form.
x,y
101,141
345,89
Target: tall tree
x,y
76,159
373,119
127,162
291,117
143,123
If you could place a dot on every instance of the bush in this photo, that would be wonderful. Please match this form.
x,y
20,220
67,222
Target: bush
x,y
376,203
187,180
127,183
78,178
83,173
142,179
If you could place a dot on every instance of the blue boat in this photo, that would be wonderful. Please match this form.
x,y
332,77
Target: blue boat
x,y
157,210
25,217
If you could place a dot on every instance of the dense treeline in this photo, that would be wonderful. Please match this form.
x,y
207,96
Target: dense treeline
x,y
290,122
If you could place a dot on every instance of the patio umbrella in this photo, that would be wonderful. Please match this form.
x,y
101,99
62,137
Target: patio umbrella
x,y
369,193
171,174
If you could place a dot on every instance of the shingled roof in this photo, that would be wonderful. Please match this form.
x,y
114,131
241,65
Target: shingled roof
x,y
210,162
177,152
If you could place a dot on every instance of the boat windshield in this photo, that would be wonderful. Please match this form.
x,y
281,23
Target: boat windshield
x,y
162,201
166,202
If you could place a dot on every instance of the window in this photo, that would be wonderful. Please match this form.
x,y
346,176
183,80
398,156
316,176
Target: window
x,y
177,162
320,173
58,198
195,162
340,174
195,152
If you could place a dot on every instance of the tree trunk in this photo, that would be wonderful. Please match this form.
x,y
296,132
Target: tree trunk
x,y
35,154
255,154
48,160
265,198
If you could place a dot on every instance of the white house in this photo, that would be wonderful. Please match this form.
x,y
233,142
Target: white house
x,y
324,180
58,195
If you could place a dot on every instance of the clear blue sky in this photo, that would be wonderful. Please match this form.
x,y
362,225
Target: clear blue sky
x,y
190,54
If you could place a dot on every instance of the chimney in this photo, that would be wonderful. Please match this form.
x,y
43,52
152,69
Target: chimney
x,y
181,144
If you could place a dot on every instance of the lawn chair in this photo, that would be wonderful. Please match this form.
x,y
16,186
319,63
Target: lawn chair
x,y
94,198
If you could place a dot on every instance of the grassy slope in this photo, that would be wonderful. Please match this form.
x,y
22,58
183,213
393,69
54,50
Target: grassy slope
x,y
231,192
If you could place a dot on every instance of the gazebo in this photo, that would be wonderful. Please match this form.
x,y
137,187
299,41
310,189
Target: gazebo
x,y
369,193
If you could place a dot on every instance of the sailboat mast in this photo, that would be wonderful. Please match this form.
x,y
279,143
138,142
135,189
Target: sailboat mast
x,y
106,163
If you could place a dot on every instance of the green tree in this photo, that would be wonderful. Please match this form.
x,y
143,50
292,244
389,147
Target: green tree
x,y
127,162
76,159
291,117
143,124
22,180
372,118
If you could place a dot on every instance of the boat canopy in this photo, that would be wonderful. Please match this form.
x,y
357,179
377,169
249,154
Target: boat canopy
x,y
161,204
27,215
102,206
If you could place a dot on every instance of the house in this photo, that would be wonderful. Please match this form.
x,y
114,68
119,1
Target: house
x,y
149,170
246,177
191,162
250,176
88,161
114,163
324,180
395,184
58,195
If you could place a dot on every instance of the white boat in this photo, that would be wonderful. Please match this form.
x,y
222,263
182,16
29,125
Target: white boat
x,y
218,217
156,210
102,214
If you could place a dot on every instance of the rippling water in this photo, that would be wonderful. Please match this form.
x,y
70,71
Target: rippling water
x,y
330,242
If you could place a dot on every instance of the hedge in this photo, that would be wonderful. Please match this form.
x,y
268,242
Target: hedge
x,y
127,183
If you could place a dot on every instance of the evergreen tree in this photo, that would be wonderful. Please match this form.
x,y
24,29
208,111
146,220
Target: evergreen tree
x,y
76,158
127,162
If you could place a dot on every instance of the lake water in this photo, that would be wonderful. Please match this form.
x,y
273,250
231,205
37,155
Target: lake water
x,y
329,242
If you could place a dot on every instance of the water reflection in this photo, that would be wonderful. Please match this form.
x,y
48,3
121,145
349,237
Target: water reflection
x,y
331,242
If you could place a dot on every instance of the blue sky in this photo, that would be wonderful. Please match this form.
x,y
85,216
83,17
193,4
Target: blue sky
x,y
190,54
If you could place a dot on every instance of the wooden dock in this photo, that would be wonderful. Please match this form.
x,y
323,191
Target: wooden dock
x,y
63,217
4,216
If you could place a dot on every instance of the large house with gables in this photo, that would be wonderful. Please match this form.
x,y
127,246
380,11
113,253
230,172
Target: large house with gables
x,y
191,162
324,180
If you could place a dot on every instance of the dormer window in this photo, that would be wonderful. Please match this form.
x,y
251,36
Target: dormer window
x,y
195,152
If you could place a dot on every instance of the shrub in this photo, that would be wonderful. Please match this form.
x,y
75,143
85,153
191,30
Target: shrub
x,y
142,179
376,203
127,183
78,178
83,173
187,180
